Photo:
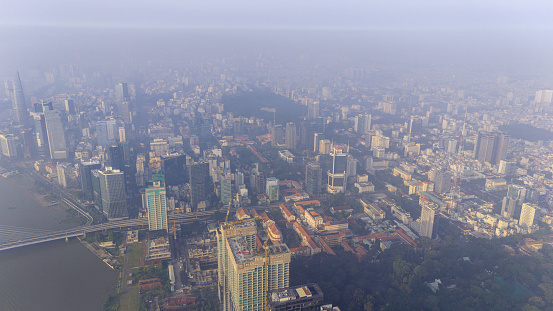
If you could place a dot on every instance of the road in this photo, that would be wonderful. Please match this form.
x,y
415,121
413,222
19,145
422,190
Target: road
x,y
116,224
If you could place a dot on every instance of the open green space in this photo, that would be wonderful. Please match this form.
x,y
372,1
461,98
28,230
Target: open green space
x,y
130,300
527,132
135,253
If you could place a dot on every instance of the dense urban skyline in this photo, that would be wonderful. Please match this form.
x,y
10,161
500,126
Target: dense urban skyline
x,y
274,155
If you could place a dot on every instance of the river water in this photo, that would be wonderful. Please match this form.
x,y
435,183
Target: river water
x,y
50,276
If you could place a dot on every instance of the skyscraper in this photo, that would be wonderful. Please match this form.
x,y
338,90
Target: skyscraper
x,y
313,177
97,189
362,123
107,132
442,183
18,102
122,92
277,135
174,169
85,174
199,178
426,222
291,139
508,207
337,178
114,196
70,106
313,110
491,147
226,186
528,214
156,204
56,135
272,189
247,271
62,170
116,156
8,145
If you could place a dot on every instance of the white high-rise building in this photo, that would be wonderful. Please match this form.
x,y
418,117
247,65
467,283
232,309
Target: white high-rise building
x,y
426,222
528,214
544,97
156,204
246,271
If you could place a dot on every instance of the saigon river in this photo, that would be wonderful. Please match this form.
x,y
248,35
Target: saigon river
x,y
50,276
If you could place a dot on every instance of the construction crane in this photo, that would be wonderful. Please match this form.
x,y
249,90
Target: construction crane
x,y
266,272
157,161
228,211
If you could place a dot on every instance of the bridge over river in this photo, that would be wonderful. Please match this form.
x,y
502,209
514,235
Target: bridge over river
x,y
13,237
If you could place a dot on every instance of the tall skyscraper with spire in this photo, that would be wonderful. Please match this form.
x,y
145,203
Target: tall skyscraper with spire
x,y
18,101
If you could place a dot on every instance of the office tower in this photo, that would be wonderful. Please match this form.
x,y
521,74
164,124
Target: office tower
x,y
239,179
317,137
122,91
528,214
362,123
70,106
507,167
114,196
517,192
291,139
62,172
451,146
491,147
305,131
369,164
56,134
442,182
116,157
122,132
43,106
199,179
19,104
156,203
313,177
174,169
247,272
8,145
415,125
272,189
96,189
508,207
483,149
29,143
258,181
426,223
226,186
325,146
307,297
277,135
107,132
544,97
313,110
337,174
352,166
501,147
85,174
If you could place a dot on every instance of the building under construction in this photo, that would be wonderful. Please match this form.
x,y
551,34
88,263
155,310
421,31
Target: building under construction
x,y
247,269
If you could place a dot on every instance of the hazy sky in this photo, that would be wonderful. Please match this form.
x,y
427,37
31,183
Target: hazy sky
x,y
317,14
